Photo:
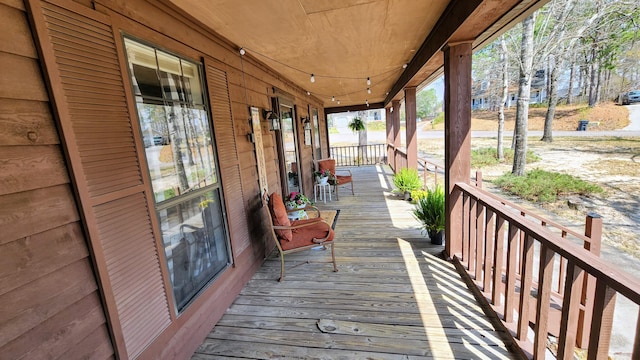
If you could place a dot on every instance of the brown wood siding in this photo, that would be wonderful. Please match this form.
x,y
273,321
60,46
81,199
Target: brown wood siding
x,y
82,62
228,158
87,62
49,303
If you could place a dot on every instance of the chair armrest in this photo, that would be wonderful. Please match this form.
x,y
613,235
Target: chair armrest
x,y
307,208
308,223
344,171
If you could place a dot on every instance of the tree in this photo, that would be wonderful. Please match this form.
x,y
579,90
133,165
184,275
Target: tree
x,y
524,94
504,60
426,103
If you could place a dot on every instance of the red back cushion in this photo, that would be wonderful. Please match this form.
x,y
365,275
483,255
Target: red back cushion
x,y
279,216
328,164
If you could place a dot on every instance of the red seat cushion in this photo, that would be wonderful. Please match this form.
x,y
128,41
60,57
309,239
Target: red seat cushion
x,y
304,236
279,217
343,179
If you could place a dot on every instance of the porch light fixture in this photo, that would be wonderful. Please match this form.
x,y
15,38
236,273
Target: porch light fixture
x,y
272,118
368,81
306,122
313,78
242,51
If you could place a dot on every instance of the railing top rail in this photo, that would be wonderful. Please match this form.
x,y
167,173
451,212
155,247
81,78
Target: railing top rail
x,y
538,217
432,162
592,264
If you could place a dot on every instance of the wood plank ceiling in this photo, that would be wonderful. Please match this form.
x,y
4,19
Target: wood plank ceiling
x,y
344,42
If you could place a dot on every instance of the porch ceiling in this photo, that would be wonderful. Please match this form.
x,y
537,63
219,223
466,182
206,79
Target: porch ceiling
x,y
342,42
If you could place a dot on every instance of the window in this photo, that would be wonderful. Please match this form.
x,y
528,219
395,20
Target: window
x,y
176,131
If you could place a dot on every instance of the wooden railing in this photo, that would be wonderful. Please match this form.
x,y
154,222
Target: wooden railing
x,y
430,168
502,244
359,155
397,157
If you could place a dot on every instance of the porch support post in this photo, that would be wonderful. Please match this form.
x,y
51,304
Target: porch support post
x,y
389,123
457,135
412,138
396,131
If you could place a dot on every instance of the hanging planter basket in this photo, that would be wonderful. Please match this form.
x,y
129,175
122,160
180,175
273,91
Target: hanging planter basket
x,y
356,124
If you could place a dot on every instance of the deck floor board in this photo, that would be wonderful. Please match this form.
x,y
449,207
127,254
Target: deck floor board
x,y
394,297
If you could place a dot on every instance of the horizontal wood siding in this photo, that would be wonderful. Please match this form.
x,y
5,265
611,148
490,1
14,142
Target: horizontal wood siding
x,y
50,306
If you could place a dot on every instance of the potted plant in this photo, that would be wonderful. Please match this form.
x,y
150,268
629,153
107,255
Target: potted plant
x,y
296,200
322,177
430,211
406,181
356,124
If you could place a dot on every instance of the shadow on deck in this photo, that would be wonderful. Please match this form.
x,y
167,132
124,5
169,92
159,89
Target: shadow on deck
x,y
393,297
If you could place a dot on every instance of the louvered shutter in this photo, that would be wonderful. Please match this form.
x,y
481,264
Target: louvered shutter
x,y
81,60
228,158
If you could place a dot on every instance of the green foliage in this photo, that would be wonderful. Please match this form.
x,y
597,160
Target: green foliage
x,y
544,186
438,119
406,180
489,156
426,103
429,210
356,124
376,126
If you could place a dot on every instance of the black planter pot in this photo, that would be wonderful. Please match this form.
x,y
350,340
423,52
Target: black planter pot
x,y
437,237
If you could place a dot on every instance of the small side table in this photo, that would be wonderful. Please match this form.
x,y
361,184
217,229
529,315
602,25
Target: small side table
x,y
321,190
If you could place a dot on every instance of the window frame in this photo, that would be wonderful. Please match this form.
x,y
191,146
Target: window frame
x,y
159,206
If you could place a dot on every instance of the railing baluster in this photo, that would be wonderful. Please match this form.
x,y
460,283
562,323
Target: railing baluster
x,y
570,304
525,288
480,243
473,217
603,308
489,246
465,228
636,343
510,290
498,262
545,278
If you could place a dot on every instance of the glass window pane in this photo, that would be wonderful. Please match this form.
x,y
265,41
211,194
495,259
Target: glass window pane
x,y
169,63
192,84
195,244
176,131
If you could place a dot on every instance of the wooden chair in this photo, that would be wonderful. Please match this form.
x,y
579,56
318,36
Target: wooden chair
x,y
340,176
297,235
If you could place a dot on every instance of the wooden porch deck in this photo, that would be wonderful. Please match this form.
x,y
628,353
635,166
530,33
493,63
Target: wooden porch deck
x,y
393,297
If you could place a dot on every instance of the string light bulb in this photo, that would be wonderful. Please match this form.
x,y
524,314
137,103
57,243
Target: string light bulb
x,y
308,93
367,102
242,51
338,102
333,98
404,66
368,90
368,81
313,78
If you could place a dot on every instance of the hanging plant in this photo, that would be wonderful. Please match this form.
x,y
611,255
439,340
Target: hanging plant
x,y
356,124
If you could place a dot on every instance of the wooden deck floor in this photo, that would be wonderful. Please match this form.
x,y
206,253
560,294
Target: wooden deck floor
x,y
393,297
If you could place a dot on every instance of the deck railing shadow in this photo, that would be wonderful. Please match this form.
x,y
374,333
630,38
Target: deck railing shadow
x,y
393,297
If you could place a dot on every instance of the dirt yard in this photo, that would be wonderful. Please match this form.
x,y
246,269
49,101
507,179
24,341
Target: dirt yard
x,y
608,116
